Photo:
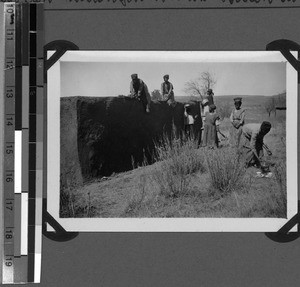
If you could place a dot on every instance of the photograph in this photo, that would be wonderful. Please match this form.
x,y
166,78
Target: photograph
x,y
172,141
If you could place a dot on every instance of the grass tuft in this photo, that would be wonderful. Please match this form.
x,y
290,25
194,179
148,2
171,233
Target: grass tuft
x,y
226,169
72,206
180,159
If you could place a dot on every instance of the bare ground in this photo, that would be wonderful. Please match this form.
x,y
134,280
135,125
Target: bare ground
x,y
136,193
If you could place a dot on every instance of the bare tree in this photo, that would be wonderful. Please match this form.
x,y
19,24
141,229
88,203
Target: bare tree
x,y
270,105
200,85
155,95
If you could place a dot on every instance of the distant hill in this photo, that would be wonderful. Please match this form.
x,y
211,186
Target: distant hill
x,y
248,101
254,105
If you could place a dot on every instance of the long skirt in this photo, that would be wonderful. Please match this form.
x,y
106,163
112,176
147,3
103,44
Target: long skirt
x,y
210,137
235,136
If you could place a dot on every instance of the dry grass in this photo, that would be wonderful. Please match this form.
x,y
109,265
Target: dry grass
x,y
226,169
179,159
189,182
72,205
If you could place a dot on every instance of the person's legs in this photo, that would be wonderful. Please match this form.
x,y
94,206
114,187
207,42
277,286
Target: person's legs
x,y
246,151
171,101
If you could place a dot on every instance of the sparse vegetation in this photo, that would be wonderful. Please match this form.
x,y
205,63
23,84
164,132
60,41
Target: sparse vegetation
x,y
186,181
71,205
179,159
226,169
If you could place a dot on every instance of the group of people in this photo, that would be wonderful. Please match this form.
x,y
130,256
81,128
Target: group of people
x,y
247,138
139,90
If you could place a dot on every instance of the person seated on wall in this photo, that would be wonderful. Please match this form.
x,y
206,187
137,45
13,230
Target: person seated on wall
x,y
167,91
139,90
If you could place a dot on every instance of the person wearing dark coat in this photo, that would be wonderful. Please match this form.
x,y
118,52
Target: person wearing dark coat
x,y
139,90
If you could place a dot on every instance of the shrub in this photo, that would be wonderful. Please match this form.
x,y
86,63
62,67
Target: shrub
x,y
179,158
226,169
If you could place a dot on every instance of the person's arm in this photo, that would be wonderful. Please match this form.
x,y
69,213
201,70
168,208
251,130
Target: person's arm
x,y
242,121
131,89
203,113
140,88
168,95
269,152
185,113
231,117
171,90
217,122
162,90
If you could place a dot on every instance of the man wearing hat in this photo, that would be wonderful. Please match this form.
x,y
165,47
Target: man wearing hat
x,y
167,91
252,143
237,119
139,90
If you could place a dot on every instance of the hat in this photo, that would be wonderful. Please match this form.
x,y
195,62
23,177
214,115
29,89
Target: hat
x,y
210,91
187,105
237,100
134,76
166,76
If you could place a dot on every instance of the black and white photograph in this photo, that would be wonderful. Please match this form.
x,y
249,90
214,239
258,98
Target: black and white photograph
x,y
172,141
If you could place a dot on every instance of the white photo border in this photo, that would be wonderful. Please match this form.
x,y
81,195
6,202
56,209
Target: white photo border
x,y
169,224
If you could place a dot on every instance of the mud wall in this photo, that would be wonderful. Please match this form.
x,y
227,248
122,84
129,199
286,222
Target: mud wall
x,y
70,169
114,133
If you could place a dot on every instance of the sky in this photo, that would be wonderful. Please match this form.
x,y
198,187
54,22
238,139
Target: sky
x,y
113,78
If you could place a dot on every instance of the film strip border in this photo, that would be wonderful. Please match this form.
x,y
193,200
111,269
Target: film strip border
x,y
23,147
